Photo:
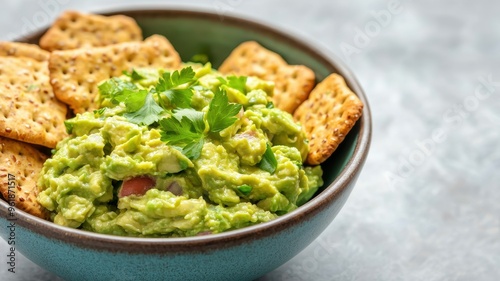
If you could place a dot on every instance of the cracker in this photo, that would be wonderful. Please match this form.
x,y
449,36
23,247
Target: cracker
x,y
293,83
327,116
13,49
75,74
20,166
74,30
29,111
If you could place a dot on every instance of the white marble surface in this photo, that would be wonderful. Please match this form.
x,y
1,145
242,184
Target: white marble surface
x,y
426,206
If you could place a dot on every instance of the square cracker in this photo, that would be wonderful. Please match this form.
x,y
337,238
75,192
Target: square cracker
x,y
20,166
74,30
327,116
292,82
13,49
75,74
29,111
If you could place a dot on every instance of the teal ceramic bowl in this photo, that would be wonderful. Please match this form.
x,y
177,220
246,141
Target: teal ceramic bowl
x,y
243,254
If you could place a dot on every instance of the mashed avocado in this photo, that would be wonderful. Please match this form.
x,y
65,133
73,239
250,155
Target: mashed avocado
x,y
179,153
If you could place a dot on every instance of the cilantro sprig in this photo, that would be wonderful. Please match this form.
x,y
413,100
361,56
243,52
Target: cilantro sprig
x,y
186,127
170,87
221,114
237,82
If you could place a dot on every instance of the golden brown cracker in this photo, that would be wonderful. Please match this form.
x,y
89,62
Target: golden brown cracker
x,y
75,74
74,30
14,49
292,82
29,111
20,166
327,116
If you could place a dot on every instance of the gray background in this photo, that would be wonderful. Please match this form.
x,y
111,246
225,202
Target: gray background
x,y
426,206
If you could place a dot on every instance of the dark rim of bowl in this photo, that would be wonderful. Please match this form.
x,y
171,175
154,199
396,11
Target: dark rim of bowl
x,y
234,237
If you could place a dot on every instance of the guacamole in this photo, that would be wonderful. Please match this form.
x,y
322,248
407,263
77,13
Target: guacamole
x,y
178,153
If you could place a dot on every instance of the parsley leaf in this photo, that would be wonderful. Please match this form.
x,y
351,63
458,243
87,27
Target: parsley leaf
x,y
221,114
268,162
147,114
238,83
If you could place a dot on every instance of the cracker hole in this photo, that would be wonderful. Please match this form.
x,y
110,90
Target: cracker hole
x,y
130,57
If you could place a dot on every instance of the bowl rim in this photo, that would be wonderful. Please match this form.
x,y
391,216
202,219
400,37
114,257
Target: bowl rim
x,y
235,237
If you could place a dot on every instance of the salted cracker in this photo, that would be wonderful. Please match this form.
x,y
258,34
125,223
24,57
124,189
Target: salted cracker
x,y
29,110
75,74
14,49
74,30
293,83
20,166
327,116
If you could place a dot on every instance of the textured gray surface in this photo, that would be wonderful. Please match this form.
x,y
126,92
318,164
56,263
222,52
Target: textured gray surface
x,y
426,206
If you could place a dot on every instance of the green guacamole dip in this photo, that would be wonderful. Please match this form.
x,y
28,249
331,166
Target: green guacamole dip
x,y
173,154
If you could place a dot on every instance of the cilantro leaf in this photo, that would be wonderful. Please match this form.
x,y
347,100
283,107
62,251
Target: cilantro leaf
x,y
133,99
113,89
268,162
238,83
135,76
245,189
221,114
147,114
99,112
169,83
193,149
184,130
175,79
181,98
181,130
196,117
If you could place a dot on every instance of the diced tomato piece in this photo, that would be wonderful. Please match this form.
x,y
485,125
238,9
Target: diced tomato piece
x,y
136,186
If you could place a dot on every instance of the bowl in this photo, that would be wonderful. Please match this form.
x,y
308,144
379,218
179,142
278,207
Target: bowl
x,y
242,254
